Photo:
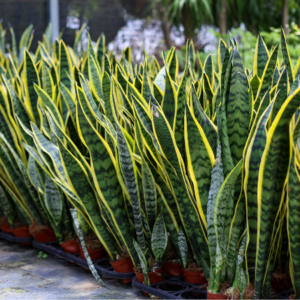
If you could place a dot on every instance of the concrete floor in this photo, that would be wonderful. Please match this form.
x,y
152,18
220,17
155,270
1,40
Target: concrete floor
x,y
24,276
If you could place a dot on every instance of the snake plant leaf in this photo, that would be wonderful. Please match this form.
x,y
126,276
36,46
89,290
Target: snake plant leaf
x,y
83,246
188,212
107,97
7,206
183,247
51,150
179,115
160,79
101,49
53,200
130,177
209,93
221,53
143,262
18,184
24,42
106,179
293,219
237,109
272,175
65,65
275,76
30,78
294,86
224,71
78,181
227,160
173,63
254,83
200,160
69,101
207,126
47,81
252,167
267,77
209,69
49,103
149,192
261,57
169,100
95,79
159,238
106,64
286,56
146,91
217,179
222,208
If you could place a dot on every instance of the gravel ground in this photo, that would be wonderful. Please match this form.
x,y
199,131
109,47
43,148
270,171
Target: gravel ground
x,y
24,276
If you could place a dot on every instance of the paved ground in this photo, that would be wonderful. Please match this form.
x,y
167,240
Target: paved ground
x,y
24,276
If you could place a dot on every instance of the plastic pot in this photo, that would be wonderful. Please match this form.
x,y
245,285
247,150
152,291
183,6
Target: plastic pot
x,y
45,236
124,265
5,228
195,277
22,232
93,253
281,284
173,269
70,246
153,277
215,296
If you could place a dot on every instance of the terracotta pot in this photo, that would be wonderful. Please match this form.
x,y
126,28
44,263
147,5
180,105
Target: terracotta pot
x,y
173,269
70,246
195,277
281,284
124,265
22,232
215,296
93,253
45,236
5,228
153,277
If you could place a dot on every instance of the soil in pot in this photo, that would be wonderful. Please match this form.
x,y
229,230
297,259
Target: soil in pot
x,y
123,264
173,268
249,291
281,282
194,274
42,233
94,247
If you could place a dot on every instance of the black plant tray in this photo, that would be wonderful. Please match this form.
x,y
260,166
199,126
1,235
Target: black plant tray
x,y
178,288
172,288
11,238
102,266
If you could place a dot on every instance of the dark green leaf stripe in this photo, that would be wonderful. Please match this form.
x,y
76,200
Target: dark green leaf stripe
x,y
209,68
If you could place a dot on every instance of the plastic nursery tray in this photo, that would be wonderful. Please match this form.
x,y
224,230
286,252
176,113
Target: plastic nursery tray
x,y
102,266
11,238
172,288
178,288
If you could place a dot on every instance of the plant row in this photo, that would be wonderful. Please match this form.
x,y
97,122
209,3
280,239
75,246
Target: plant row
x,y
196,167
